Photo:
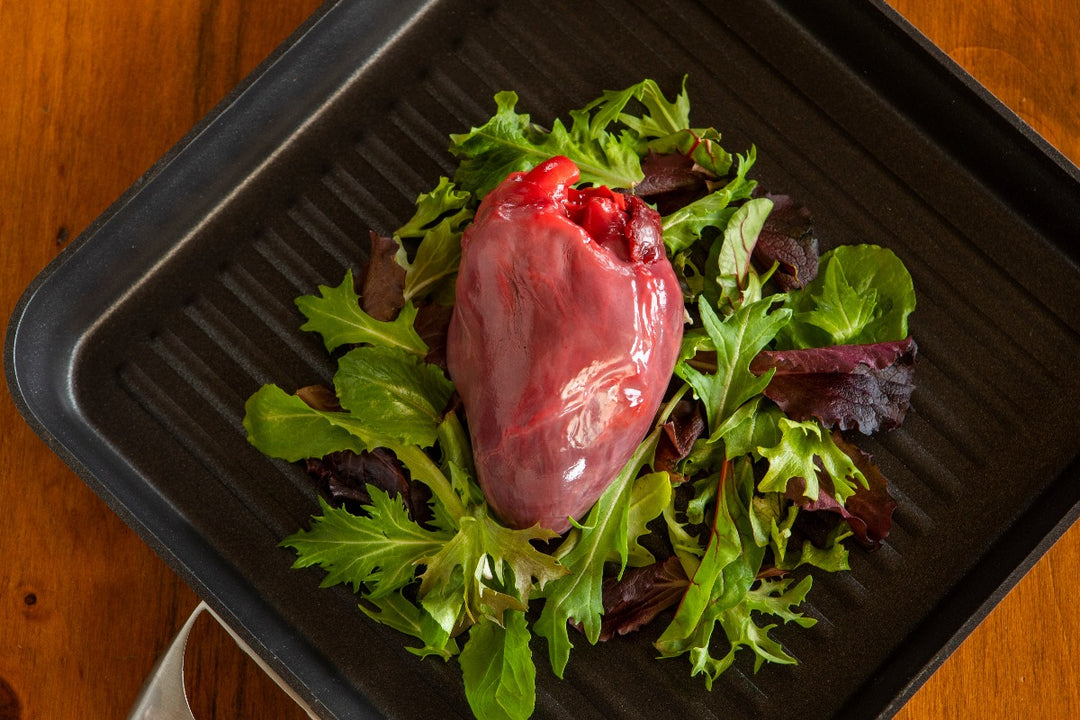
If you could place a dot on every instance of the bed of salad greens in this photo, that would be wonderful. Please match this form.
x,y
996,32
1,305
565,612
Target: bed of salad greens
x,y
749,482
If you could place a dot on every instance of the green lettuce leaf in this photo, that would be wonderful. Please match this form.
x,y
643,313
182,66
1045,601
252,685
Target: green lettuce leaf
x,y
723,593
700,144
283,426
708,581
438,222
510,142
498,669
731,275
579,595
336,315
803,450
377,552
683,227
488,567
662,118
399,394
772,598
648,498
445,203
402,614
862,294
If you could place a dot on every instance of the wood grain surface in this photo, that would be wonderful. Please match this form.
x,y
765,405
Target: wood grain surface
x,y
91,94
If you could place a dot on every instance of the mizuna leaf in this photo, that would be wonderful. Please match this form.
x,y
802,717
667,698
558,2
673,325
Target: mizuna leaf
x,y
497,566
444,203
440,217
805,447
868,511
509,142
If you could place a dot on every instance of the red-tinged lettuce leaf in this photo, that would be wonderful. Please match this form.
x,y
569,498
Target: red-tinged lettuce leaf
x,y
432,323
868,512
346,476
643,593
686,424
319,397
788,239
672,180
846,386
382,294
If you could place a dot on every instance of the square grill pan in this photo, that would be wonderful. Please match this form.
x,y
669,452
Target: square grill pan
x,y
185,308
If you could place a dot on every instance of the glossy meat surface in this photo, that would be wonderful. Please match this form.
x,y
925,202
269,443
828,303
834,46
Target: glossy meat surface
x,y
566,328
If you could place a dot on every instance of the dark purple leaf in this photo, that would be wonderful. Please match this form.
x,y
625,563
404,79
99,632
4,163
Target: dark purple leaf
x,y
319,397
641,595
345,475
868,512
671,181
432,323
846,386
787,238
685,425
382,294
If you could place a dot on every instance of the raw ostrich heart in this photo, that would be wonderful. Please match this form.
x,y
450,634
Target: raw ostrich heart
x,y
567,324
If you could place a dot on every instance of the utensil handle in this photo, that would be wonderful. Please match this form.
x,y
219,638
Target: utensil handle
x,y
163,695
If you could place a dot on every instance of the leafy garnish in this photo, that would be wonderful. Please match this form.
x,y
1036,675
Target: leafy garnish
x,y
284,426
408,395
788,240
437,224
377,552
500,677
634,600
684,227
336,315
804,448
741,481
731,280
862,294
847,386
578,596
510,142
736,340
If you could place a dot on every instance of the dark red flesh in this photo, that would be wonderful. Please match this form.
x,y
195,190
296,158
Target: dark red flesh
x,y
567,324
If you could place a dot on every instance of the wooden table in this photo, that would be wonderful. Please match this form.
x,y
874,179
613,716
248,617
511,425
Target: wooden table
x,y
91,93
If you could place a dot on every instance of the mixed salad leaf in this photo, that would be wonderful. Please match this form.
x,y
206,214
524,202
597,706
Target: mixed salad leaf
x,y
749,482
